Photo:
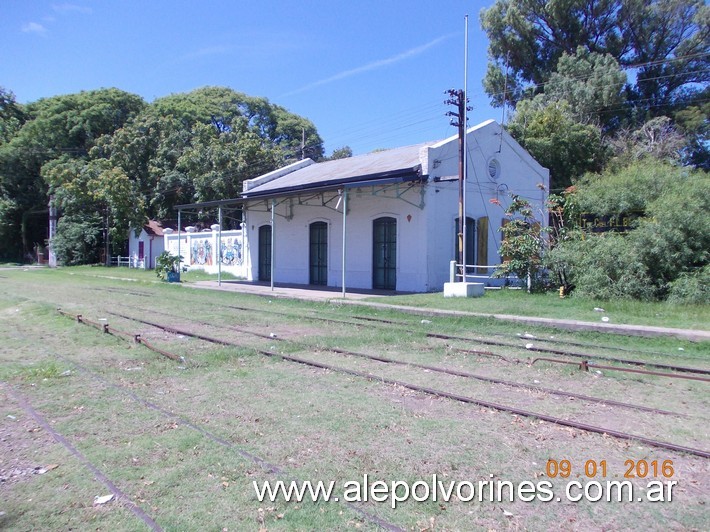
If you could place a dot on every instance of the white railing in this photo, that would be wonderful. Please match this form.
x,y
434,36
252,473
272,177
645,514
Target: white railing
x,y
456,269
128,262
121,261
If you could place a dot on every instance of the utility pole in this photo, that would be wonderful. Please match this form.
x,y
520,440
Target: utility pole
x,y
458,99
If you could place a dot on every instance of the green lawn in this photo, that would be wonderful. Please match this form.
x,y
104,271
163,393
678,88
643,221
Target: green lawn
x,y
175,436
549,305
505,301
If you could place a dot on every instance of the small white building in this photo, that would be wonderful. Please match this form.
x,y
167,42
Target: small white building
x,y
387,220
146,246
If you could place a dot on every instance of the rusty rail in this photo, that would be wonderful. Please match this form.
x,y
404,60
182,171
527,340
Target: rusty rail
x,y
586,365
456,397
107,329
458,373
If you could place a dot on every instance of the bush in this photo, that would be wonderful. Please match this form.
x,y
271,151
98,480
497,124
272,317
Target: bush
x,y
668,245
77,238
605,267
691,288
165,264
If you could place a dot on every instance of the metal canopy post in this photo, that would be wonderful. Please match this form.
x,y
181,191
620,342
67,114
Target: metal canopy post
x,y
273,209
179,260
464,149
219,248
345,217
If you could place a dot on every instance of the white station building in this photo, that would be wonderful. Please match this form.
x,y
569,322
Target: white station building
x,y
386,220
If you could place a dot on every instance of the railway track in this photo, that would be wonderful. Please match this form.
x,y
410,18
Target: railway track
x,y
440,393
369,321
435,369
588,360
179,418
497,343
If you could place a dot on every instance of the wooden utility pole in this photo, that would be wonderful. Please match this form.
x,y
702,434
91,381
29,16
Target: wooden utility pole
x,y
458,98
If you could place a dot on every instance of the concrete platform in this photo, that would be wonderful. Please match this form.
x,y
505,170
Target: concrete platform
x,y
294,291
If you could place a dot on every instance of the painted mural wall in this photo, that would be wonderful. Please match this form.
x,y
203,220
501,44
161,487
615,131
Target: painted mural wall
x,y
208,251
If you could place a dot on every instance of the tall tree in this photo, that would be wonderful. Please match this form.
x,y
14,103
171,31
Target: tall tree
x,y
12,115
552,134
202,145
593,85
665,42
61,126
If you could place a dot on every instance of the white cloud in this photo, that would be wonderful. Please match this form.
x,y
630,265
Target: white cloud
x,y
34,27
374,65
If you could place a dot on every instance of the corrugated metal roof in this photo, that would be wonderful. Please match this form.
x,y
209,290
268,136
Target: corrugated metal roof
x,y
397,161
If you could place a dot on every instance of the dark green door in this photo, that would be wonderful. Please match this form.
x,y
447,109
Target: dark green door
x,y
318,253
384,253
470,243
265,253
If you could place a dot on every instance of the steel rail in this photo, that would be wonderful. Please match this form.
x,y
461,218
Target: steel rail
x,y
456,397
680,369
436,369
403,323
270,468
572,354
83,460
585,365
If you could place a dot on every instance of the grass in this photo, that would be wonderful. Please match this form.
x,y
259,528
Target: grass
x,y
549,305
314,424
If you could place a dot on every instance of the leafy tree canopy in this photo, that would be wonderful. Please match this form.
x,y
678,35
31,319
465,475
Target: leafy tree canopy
x,y
666,252
552,135
57,127
665,42
108,153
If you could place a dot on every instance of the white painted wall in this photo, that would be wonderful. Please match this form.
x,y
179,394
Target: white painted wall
x,y
519,173
152,247
291,231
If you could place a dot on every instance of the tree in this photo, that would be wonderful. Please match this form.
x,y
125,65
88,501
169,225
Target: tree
x,y
670,40
87,191
54,128
657,139
528,37
552,135
202,145
12,116
666,43
523,245
340,153
592,84
107,153
694,123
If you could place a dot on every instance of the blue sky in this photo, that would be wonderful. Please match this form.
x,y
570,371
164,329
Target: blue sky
x,y
369,74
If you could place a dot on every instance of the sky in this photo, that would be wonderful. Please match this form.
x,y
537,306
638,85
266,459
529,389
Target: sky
x,y
369,74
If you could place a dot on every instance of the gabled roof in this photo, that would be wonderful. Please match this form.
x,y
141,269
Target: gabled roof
x,y
399,163
155,228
